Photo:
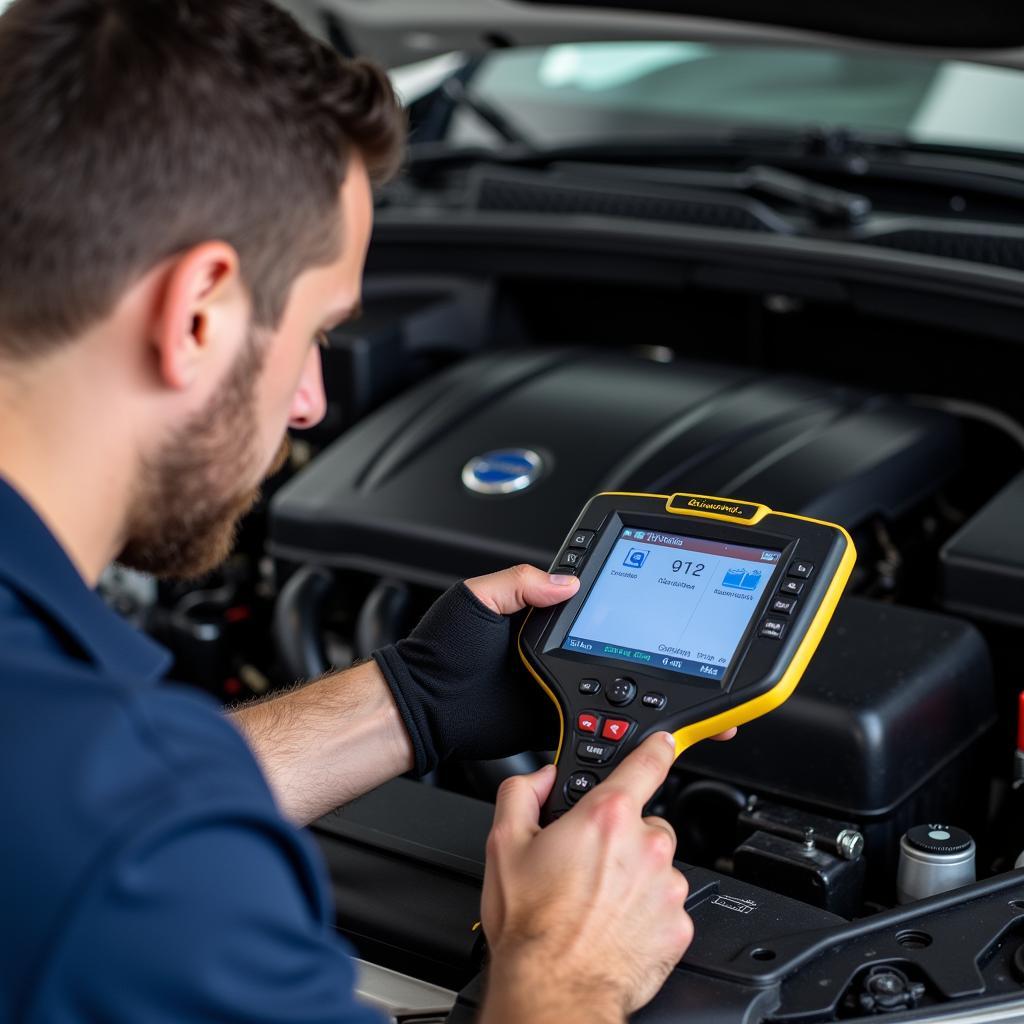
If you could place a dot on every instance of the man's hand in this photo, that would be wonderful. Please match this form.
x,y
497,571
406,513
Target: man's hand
x,y
456,679
584,918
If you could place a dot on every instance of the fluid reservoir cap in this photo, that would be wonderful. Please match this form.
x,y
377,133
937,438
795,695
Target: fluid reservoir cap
x,y
939,839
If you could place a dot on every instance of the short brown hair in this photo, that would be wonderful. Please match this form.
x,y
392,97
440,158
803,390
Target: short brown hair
x,y
131,130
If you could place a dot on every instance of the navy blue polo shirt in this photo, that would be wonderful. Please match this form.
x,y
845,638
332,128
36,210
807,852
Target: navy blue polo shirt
x,y
146,874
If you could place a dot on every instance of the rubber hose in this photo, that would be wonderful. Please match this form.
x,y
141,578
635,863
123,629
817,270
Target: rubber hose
x,y
296,625
383,619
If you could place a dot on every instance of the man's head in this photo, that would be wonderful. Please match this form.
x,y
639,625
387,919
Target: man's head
x,y
185,187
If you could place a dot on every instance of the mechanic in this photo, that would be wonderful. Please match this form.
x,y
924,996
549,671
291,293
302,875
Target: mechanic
x,y
186,204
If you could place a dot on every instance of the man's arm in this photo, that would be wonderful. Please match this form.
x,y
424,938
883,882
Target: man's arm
x,y
328,742
334,739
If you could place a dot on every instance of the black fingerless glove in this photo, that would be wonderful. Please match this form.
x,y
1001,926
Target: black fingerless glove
x,y
460,687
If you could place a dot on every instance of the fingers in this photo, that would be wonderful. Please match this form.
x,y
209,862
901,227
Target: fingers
x,y
666,835
518,804
642,773
511,590
727,735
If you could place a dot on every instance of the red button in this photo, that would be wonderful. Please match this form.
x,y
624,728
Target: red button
x,y
614,729
587,723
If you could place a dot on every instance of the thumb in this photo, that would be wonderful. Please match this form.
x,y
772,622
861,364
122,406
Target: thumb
x,y
511,590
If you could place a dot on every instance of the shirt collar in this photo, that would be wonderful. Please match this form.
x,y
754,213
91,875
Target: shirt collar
x,y
34,563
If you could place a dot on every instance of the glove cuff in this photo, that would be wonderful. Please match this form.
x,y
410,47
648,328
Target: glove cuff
x,y
396,674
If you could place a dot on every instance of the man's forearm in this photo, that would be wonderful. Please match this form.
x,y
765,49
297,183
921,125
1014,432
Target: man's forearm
x,y
328,742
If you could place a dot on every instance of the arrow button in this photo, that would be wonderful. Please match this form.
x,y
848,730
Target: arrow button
x,y
615,729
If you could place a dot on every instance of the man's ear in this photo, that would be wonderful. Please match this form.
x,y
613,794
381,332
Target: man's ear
x,y
202,317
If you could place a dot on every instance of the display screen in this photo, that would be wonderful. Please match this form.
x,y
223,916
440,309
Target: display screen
x,y
675,603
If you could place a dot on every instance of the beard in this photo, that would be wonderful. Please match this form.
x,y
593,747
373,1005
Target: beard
x,y
192,495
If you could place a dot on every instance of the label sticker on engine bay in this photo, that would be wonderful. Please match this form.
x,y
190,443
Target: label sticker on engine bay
x,y
735,904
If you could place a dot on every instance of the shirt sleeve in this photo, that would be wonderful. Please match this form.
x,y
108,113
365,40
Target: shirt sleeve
x,y
212,917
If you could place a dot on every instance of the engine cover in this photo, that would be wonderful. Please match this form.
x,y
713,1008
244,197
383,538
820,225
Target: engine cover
x,y
389,496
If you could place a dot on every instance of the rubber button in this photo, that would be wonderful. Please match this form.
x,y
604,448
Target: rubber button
x,y
784,605
772,629
800,570
579,784
587,722
621,692
590,686
653,700
581,539
595,753
792,587
614,729
571,559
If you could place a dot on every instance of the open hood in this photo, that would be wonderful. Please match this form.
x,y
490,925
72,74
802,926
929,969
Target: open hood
x,y
403,31
944,23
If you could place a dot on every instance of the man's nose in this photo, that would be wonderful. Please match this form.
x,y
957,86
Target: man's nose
x,y
309,406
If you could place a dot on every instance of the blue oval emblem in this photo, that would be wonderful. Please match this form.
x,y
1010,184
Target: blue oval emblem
x,y
504,471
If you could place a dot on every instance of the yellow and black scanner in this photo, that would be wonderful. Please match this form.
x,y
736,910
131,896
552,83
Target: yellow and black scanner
x,y
694,614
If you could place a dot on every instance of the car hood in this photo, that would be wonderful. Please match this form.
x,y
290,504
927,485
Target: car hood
x,y
402,31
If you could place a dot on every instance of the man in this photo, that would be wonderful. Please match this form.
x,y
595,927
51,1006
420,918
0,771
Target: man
x,y
185,206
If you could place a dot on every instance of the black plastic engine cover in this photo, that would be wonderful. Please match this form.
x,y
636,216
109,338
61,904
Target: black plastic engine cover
x,y
388,496
406,863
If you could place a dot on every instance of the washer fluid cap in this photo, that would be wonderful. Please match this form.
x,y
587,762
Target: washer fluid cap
x,y
939,839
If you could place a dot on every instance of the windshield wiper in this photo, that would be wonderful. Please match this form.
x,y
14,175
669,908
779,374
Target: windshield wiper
x,y
455,92
832,150
826,204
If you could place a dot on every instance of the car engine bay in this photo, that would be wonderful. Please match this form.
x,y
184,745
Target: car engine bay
x,y
874,388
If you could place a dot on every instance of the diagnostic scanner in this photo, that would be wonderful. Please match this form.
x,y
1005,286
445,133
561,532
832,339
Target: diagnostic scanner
x,y
694,614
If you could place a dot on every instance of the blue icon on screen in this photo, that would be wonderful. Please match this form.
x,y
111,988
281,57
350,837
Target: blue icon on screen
x,y
742,579
635,559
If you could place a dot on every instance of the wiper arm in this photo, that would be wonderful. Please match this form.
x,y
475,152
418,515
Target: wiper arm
x,y
827,205
455,92
824,204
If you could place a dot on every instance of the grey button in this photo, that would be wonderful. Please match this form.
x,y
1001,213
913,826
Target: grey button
x,y
773,629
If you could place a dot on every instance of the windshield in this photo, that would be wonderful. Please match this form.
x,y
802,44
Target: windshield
x,y
589,92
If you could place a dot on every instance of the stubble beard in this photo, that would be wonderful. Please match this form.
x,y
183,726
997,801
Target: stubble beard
x,y
191,496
